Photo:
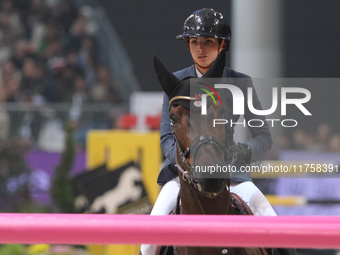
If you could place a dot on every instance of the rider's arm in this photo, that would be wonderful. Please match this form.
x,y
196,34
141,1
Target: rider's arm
x,y
168,145
262,139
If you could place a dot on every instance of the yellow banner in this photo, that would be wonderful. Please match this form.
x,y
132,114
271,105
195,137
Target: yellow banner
x,y
115,148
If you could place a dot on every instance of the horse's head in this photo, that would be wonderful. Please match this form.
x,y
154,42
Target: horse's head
x,y
201,148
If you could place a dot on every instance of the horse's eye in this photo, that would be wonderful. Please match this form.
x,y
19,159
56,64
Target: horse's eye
x,y
173,119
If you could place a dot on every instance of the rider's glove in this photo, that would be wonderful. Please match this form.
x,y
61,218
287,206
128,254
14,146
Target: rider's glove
x,y
240,152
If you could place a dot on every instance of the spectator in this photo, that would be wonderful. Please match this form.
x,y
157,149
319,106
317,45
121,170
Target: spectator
x,y
9,72
9,79
79,94
105,90
301,140
84,25
88,58
39,12
322,136
63,84
22,50
51,34
12,90
32,82
5,51
10,23
4,117
334,143
65,14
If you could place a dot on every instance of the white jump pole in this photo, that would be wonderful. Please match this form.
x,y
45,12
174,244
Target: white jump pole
x,y
189,230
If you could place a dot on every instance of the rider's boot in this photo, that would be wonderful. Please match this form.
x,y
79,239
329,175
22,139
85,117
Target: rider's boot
x,y
165,204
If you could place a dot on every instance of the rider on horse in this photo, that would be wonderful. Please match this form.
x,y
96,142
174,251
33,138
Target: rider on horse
x,y
207,33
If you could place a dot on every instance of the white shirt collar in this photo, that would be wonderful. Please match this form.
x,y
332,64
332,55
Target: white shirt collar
x,y
199,74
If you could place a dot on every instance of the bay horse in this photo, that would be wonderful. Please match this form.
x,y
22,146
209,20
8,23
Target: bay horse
x,y
199,144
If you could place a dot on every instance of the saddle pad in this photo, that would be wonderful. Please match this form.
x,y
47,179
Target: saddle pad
x,y
240,207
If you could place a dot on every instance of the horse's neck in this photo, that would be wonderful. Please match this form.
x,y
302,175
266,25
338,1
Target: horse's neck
x,y
194,202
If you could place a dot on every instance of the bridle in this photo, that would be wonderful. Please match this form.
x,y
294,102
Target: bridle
x,y
198,142
194,147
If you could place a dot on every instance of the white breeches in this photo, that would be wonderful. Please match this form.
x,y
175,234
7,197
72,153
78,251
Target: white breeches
x,y
167,198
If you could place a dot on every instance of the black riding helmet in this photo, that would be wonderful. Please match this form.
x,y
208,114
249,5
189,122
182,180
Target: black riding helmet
x,y
206,23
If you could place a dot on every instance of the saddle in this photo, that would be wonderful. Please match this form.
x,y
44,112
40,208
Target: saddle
x,y
240,208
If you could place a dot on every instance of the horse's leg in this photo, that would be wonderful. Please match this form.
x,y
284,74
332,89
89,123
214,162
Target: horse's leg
x,y
281,251
165,204
210,251
288,251
254,198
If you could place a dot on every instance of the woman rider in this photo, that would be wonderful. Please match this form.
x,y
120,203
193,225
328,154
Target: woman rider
x,y
207,33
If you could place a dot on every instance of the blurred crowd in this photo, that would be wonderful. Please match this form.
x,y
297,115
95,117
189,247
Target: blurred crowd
x,y
324,139
49,53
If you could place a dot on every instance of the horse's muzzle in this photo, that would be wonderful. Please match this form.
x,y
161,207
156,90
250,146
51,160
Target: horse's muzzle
x,y
208,157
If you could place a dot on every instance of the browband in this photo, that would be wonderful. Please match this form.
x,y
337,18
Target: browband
x,y
181,97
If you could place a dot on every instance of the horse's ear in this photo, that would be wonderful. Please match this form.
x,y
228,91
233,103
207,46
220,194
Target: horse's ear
x,y
217,68
165,77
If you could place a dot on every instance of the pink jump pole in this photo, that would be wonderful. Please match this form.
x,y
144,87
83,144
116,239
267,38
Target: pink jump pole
x,y
189,230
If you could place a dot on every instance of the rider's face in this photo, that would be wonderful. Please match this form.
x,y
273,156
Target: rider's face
x,y
204,50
